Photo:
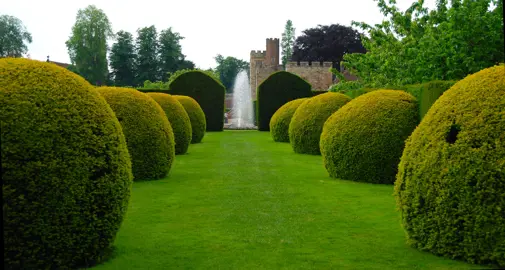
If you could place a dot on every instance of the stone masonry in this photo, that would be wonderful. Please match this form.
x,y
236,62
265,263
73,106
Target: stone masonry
x,y
316,73
264,63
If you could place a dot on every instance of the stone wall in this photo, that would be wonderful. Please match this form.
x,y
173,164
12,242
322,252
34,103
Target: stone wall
x,y
259,75
263,64
228,101
316,73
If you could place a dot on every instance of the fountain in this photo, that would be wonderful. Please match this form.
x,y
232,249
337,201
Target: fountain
x,y
242,112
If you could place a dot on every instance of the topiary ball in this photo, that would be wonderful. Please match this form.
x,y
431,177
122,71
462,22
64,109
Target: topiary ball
x,y
178,118
451,180
279,123
307,123
148,133
66,173
364,140
196,116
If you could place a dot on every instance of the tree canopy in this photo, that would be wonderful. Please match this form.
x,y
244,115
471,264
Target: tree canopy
x,y
170,52
228,68
287,42
417,45
147,54
327,43
13,35
87,46
122,59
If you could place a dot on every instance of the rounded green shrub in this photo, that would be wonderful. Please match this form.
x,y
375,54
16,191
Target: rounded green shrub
x,y
276,90
279,124
178,118
207,91
363,141
196,116
65,170
307,123
451,180
148,133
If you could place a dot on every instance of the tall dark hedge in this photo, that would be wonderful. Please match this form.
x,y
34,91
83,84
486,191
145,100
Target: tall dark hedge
x,y
148,132
207,91
66,173
450,187
318,92
428,93
255,112
277,90
196,117
363,141
178,118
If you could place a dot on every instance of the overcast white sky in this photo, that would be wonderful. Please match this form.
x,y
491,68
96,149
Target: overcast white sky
x,y
227,27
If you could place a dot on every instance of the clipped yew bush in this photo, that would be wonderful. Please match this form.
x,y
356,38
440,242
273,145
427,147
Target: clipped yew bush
x,y
363,141
427,93
451,181
307,123
277,90
279,124
196,117
178,118
65,170
207,91
148,133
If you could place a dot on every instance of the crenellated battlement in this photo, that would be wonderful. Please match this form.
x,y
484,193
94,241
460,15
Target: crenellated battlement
x,y
272,39
258,54
309,64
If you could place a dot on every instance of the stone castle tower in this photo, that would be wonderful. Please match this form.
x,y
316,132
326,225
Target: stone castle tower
x,y
264,63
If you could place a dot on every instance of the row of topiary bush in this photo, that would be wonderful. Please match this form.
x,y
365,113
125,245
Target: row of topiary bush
x,y
208,92
366,133
448,171
70,152
425,93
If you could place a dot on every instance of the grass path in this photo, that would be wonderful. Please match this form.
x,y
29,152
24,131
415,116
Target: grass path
x,y
240,201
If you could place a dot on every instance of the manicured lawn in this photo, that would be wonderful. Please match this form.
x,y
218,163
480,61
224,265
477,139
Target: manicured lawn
x,y
240,201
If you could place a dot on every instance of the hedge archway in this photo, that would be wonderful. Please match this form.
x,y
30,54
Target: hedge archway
x,y
278,89
207,91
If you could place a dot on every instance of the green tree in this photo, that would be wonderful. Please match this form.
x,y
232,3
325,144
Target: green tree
x,y
327,43
13,35
287,42
419,45
87,46
228,68
122,60
186,64
147,55
170,52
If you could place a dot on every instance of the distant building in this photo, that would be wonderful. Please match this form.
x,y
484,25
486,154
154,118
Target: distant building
x,y
264,63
